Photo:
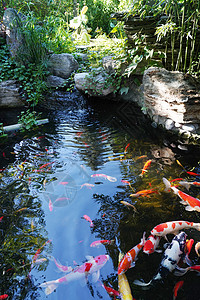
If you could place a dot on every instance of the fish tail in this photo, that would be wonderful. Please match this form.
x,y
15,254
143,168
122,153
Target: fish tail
x,y
50,286
167,184
185,184
143,240
180,271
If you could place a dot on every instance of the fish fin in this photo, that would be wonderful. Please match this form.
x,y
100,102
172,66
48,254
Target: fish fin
x,y
50,287
95,276
166,245
165,237
141,283
158,251
183,202
83,281
189,208
180,271
132,264
185,184
188,261
167,184
143,240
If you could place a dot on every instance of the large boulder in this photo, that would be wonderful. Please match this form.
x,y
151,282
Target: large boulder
x,y
55,81
9,94
11,22
62,65
95,85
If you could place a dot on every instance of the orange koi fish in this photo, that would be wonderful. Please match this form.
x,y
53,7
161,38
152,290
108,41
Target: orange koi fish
x,y
128,205
151,244
128,261
1,219
87,218
177,287
141,157
187,184
101,242
178,162
173,227
146,166
143,193
176,179
193,174
125,182
197,246
45,165
190,202
110,178
111,291
125,150
5,296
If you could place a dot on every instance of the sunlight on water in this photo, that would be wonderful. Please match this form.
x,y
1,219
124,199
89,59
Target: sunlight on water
x,y
94,173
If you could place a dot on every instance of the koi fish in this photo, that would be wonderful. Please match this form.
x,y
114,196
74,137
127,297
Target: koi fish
x,y
129,258
190,202
151,244
111,291
171,257
146,166
141,157
101,242
45,165
176,179
123,285
65,269
193,174
110,178
88,185
91,267
188,184
177,287
178,162
188,248
197,246
173,227
64,182
182,271
143,193
61,199
125,150
50,205
5,296
19,210
125,182
1,219
129,205
87,218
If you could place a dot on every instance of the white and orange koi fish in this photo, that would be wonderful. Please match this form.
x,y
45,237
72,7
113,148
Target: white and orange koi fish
x,y
91,267
129,258
87,218
171,257
191,202
110,178
88,185
151,244
173,227
187,184
101,242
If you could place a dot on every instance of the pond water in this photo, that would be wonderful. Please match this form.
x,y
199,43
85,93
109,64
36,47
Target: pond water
x,y
50,180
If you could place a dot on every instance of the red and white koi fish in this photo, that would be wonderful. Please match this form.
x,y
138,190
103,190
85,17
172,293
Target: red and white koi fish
x,y
45,165
88,185
188,248
191,202
187,184
101,242
123,284
110,178
197,246
128,261
50,205
87,218
151,244
182,271
111,291
91,267
177,287
173,227
5,296
143,193
125,182
129,205
61,199
65,269
170,259
125,150
193,174
146,166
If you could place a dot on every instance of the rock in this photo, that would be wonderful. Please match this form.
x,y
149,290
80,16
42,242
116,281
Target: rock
x,y
80,56
55,81
62,65
109,64
189,127
11,21
95,86
172,95
9,94
169,124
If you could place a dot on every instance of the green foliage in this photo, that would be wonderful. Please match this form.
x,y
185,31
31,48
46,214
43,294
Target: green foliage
x,y
31,79
28,119
3,135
